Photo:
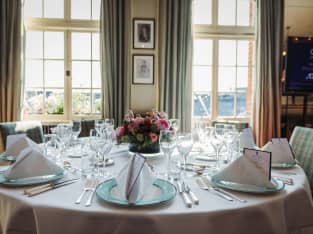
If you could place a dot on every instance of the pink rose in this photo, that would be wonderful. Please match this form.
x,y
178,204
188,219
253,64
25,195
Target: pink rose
x,y
153,137
162,124
120,131
138,121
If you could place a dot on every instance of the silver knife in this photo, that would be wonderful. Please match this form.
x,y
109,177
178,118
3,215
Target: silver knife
x,y
185,197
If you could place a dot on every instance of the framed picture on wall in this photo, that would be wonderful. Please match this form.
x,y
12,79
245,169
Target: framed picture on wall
x,y
143,32
143,69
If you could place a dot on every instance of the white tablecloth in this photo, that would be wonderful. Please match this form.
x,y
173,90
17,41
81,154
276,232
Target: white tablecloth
x,y
54,212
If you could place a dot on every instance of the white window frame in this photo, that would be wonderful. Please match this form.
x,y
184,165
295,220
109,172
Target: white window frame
x,y
67,25
215,33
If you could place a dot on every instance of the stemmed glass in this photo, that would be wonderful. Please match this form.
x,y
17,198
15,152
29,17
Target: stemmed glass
x,y
99,125
107,139
52,147
76,129
184,146
167,140
230,134
174,124
217,143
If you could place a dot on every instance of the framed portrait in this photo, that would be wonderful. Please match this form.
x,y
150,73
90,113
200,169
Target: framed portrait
x,y
143,69
143,31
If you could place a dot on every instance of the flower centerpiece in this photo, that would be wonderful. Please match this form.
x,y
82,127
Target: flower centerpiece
x,y
142,132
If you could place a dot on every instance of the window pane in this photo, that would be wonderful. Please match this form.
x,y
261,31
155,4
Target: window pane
x,y
54,73
33,103
81,74
202,105
227,53
96,9
54,45
241,104
202,52
81,101
34,44
226,79
81,46
202,78
96,77
54,101
242,78
54,9
244,15
80,9
226,12
34,73
96,101
33,8
243,53
202,12
225,104
95,46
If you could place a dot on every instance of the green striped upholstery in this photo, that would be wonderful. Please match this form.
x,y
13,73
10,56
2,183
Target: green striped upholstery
x,y
33,130
301,142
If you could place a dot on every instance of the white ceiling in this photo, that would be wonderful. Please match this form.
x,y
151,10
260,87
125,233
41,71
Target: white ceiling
x,y
299,17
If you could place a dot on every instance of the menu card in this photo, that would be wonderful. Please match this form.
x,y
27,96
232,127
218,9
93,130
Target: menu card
x,y
262,160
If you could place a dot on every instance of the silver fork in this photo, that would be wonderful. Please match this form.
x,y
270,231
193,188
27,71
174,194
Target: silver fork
x,y
203,186
88,187
206,181
93,189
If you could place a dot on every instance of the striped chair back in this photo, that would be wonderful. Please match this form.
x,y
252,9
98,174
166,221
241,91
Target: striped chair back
x,y
301,142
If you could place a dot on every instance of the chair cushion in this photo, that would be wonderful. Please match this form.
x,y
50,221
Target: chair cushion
x,y
301,142
33,130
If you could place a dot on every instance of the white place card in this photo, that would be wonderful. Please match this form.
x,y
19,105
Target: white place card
x,y
262,160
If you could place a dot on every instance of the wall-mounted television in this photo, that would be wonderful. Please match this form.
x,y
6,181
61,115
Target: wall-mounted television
x,y
299,65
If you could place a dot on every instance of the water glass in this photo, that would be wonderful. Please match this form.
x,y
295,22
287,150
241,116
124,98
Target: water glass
x,y
174,124
184,146
52,147
167,142
76,128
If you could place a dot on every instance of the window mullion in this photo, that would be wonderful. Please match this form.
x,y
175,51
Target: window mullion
x,y
68,78
214,99
214,13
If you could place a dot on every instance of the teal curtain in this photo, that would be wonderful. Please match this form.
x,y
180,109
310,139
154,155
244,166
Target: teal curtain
x,y
269,42
115,24
175,60
11,42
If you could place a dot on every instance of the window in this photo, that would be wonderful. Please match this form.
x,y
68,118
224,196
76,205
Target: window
x,y
223,59
62,61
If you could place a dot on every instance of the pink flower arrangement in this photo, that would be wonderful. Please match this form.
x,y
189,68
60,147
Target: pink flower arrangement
x,y
142,130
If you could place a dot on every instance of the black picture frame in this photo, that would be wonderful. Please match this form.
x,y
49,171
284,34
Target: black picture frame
x,y
143,69
143,33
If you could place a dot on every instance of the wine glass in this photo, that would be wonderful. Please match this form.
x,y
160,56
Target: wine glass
x,y
167,142
174,124
230,134
109,123
99,125
217,142
184,146
76,129
52,147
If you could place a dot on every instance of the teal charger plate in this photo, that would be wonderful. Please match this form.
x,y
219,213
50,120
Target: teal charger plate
x,y
6,157
30,180
168,192
279,185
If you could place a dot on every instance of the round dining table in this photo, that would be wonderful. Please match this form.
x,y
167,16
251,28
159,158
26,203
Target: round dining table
x,y
289,211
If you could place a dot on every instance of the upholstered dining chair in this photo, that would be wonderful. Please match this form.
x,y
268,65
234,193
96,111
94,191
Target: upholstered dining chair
x,y
301,142
33,130
86,124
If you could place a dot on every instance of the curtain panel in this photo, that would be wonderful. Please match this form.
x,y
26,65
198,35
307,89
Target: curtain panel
x,y
11,41
115,23
175,60
269,42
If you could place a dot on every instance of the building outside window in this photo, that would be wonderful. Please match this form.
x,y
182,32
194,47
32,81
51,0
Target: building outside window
x,y
62,61
223,61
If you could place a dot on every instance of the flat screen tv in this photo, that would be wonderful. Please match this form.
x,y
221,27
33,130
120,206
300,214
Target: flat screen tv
x,y
299,66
